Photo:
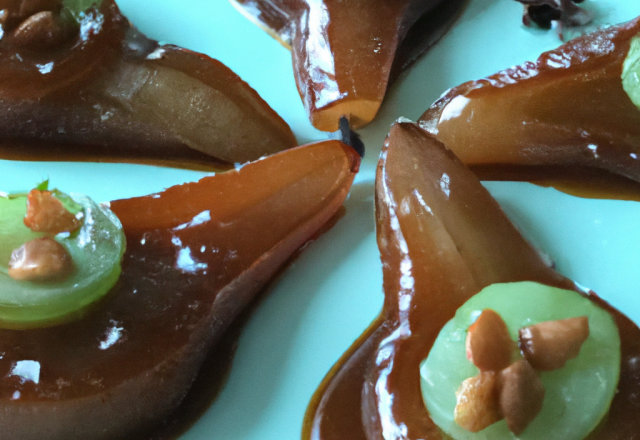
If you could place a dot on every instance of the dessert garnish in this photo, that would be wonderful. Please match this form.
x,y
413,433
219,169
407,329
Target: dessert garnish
x,y
559,382
79,81
443,239
197,255
345,53
59,255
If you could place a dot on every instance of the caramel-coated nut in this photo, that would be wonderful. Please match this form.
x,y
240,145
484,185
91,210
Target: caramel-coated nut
x,y
521,395
549,345
41,259
30,7
478,404
41,31
489,346
45,213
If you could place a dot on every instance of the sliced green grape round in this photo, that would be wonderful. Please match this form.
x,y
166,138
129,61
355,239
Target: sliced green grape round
x,y
577,396
96,249
631,71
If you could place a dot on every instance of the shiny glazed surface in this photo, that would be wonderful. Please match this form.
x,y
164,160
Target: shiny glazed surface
x,y
116,94
568,108
197,255
345,53
442,238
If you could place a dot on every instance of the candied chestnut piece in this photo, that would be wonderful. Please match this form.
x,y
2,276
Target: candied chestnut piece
x,y
442,238
345,52
82,84
568,109
197,254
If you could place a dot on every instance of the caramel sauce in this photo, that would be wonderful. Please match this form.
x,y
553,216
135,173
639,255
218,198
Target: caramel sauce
x,y
215,370
593,183
177,156
209,382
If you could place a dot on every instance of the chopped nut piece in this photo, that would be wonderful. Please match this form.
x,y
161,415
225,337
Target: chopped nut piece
x,y
549,345
489,345
478,402
41,31
521,395
15,12
45,213
42,259
30,7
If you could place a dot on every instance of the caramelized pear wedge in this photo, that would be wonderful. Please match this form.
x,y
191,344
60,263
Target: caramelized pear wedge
x,y
197,254
346,52
108,92
567,109
442,238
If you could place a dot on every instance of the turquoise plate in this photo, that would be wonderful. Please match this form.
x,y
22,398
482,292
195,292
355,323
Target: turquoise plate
x,y
331,293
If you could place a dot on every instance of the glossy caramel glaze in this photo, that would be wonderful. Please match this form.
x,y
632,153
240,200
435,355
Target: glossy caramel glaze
x,y
566,109
442,238
197,254
112,89
217,366
344,52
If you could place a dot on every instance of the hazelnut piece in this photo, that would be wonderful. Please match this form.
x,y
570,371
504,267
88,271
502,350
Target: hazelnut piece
x,y
521,395
478,404
41,259
41,31
489,346
549,345
45,213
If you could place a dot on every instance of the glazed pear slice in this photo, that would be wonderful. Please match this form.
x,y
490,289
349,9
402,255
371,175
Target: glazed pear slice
x,y
568,109
344,52
108,92
442,238
197,254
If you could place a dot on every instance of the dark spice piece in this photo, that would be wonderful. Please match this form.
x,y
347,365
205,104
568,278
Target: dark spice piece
x,y
544,12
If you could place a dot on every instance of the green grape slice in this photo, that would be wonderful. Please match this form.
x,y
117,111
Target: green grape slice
x,y
96,249
631,71
577,396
